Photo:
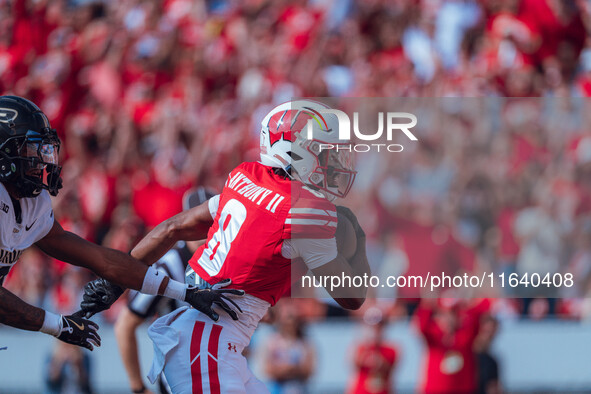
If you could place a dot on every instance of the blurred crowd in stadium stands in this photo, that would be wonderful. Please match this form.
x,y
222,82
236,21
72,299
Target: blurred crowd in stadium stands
x,y
153,97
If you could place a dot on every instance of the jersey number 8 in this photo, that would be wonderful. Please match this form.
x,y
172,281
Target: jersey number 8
x,y
230,221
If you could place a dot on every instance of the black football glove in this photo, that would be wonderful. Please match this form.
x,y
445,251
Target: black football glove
x,y
78,331
204,299
346,212
99,295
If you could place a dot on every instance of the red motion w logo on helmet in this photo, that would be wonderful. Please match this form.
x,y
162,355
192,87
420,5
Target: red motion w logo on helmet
x,y
284,125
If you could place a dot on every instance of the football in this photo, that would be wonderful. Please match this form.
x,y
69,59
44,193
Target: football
x,y
345,236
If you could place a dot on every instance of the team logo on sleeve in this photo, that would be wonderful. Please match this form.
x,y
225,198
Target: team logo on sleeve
x,y
4,207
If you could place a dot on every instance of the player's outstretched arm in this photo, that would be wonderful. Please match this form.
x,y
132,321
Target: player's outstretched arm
x,y
189,225
16,313
110,264
114,266
122,269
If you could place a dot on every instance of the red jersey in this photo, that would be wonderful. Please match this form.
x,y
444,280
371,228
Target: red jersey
x,y
375,363
451,363
258,210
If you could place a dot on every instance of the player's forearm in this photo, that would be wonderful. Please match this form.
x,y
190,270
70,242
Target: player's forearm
x,y
359,263
128,272
350,303
156,243
16,313
135,275
191,225
343,292
359,268
122,269
111,264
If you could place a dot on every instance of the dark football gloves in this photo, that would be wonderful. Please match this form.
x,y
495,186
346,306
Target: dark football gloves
x,y
78,331
100,294
204,299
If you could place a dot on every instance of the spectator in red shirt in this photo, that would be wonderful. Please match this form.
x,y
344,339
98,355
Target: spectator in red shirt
x,y
374,359
449,328
559,32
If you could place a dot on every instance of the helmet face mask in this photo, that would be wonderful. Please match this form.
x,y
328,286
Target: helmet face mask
x,y
285,143
29,149
334,172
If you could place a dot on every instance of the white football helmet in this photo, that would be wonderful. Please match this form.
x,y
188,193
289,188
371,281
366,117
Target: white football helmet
x,y
320,162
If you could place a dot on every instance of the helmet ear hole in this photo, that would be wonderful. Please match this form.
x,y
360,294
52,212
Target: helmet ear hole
x,y
316,178
295,156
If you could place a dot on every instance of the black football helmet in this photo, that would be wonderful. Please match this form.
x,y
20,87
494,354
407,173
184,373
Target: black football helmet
x,y
29,148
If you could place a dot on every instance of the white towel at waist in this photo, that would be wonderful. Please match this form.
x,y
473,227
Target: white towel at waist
x,y
165,338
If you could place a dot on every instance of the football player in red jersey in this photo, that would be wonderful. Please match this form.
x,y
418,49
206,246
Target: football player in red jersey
x,y
268,213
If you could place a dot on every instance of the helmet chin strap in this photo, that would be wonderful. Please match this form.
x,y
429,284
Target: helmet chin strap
x,y
288,169
293,175
26,185
330,197
27,188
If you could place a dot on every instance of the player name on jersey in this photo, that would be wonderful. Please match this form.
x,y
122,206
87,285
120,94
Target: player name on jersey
x,y
9,258
255,193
